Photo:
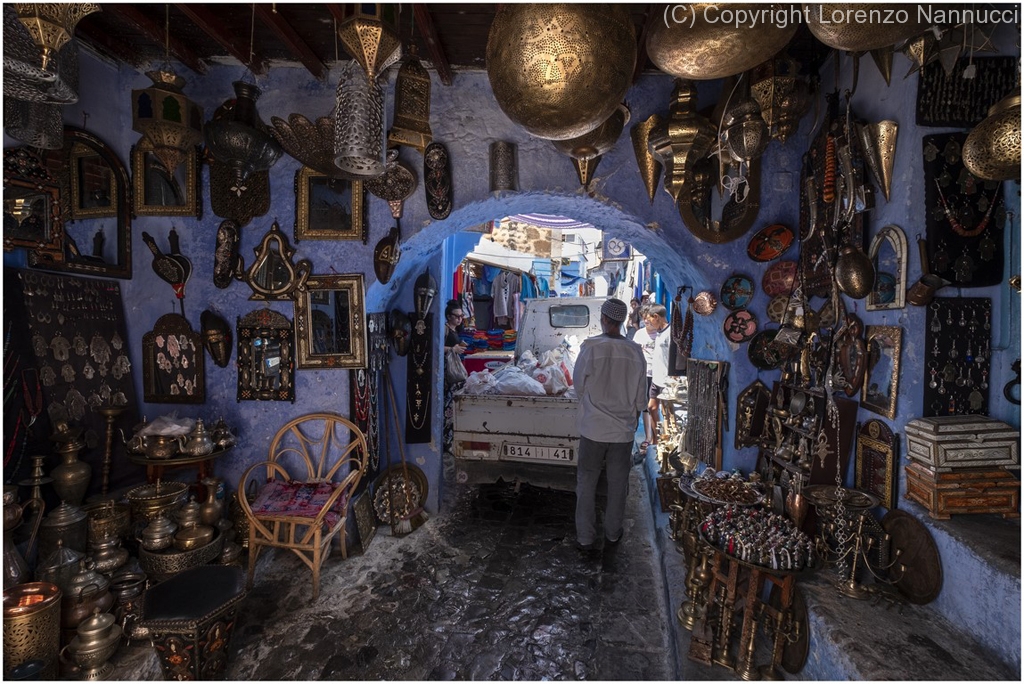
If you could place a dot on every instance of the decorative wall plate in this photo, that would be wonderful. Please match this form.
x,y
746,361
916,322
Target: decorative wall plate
x,y
777,308
770,243
779,278
740,326
704,303
737,291
762,353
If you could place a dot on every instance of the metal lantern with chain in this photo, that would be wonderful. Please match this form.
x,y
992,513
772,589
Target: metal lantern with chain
x,y
411,123
171,122
51,25
239,139
685,139
784,97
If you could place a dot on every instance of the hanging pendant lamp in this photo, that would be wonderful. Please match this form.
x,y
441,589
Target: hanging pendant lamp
x,y
359,126
52,25
411,122
23,77
165,116
240,139
369,36
992,149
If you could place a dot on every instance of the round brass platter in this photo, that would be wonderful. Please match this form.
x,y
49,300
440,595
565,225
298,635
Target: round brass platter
x,y
921,580
853,499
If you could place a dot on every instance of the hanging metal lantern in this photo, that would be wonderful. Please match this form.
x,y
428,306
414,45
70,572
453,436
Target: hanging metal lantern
x,y
744,132
369,36
239,139
992,149
560,70
411,122
171,122
359,126
585,170
650,167
311,143
694,42
504,167
426,289
686,139
859,27
878,141
23,77
52,25
782,94
34,123
598,141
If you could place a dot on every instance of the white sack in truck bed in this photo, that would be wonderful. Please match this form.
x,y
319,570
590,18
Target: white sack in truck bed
x,y
551,377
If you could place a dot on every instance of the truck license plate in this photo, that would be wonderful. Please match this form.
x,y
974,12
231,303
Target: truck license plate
x,y
532,452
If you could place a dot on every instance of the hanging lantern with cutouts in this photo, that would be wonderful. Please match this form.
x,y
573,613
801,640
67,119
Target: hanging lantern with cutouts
x,y
411,122
240,139
52,25
369,36
172,123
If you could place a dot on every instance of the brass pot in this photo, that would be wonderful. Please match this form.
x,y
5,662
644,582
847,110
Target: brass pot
x,y
693,41
536,83
193,537
107,519
992,149
67,523
149,500
159,534
71,478
108,555
60,567
163,446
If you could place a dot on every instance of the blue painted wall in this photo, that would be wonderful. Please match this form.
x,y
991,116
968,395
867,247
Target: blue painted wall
x,y
466,118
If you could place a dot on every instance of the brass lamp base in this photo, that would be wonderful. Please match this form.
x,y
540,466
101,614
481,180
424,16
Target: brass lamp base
x,y
851,589
687,616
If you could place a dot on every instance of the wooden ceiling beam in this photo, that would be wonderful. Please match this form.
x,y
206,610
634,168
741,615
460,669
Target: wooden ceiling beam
x,y
215,28
294,42
337,11
429,34
641,49
107,45
155,31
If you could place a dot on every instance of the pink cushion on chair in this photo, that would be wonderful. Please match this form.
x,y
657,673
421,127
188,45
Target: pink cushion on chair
x,y
301,499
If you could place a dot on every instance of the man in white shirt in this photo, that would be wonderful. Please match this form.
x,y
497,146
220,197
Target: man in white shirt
x,y
645,337
659,331
610,381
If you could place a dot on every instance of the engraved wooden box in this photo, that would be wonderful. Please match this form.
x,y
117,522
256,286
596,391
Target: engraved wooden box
x,y
966,490
946,443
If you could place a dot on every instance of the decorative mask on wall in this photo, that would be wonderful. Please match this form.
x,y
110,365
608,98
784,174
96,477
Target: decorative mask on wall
x,y
386,255
401,329
216,337
426,289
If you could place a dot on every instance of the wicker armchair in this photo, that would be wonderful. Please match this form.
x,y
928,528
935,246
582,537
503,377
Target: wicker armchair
x,y
306,486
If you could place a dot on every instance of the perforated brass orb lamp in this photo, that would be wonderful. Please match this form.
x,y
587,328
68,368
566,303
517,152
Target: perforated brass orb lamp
x,y
693,41
992,149
560,70
744,132
858,27
52,24
171,122
239,138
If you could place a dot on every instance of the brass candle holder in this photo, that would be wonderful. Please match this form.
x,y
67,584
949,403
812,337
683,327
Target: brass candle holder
x,y
110,414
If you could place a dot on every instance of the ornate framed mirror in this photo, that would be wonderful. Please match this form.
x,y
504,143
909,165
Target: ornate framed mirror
x,y
876,462
888,254
266,357
330,322
32,205
327,208
158,193
882,370
96,208
172,363
272,274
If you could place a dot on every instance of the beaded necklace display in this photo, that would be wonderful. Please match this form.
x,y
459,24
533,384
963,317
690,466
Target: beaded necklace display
x,y
955,224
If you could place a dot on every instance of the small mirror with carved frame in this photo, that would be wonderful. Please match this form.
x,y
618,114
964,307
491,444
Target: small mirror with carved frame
x,y
266,357
882,369
327,208
158,193
272,274
32,204
172,363
888,255
330,320
876,462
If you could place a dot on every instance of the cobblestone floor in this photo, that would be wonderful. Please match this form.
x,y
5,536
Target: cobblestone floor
x,y
493,588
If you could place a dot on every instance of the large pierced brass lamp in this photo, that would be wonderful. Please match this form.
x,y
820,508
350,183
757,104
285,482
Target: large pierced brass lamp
x,y
560,70
858,27
369,36
171,122
992,149
240,138
52,24
696,41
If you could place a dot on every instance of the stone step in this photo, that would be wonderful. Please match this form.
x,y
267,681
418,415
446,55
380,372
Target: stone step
x,y
970,632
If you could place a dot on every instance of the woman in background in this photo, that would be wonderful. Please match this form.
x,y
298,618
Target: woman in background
x,y
453,316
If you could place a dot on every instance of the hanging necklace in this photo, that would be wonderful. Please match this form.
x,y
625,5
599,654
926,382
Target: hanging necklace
x,y
33,401
955,224
362,396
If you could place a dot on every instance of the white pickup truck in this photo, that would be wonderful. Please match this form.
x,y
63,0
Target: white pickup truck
x,y
527,438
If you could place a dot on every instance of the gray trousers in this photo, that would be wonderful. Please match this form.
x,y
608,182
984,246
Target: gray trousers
x,y
617,458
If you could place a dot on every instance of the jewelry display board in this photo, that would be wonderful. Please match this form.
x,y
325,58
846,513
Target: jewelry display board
x,y
876,462
77,334
707,391
964,216
364,387
419,382
952,101
958,339
173,364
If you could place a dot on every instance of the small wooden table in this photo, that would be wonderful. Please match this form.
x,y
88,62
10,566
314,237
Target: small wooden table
x,y
155,467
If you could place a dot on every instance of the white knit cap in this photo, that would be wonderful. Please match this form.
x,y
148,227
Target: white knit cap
x,y
615,309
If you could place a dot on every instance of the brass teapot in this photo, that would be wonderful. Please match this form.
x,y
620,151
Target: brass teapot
x,y
199,441
164,446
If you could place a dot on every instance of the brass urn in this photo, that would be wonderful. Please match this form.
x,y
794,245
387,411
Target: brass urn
x,y
992,149
559,70
697,41
71,478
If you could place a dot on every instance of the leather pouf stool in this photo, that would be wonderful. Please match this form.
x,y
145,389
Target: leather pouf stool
x,y
190,618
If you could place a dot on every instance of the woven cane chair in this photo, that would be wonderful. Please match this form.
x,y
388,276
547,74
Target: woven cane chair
x,y
316,462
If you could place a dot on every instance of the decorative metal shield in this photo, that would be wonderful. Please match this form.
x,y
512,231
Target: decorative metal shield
x,y
395,185
216,337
